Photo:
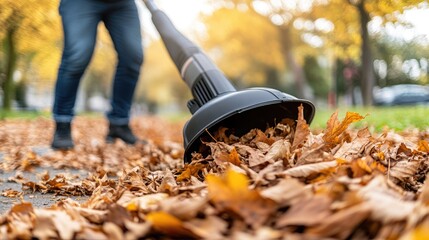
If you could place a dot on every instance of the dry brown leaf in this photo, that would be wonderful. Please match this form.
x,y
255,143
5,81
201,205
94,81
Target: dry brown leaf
x,y
253,156
262,137
92,215
146,203
385,204
265,233
112,231
182,207
286,192
403,170
136,230
44,229
358,177
342,223
168,183
232,193
211,227
307,170
92,233
424,194
224,153
118,215
279,150
61,221
270,173
11,193
353,149
307,212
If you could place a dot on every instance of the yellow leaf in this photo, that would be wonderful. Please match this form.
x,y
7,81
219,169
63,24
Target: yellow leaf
x,y
421,232
231,193
132,206
168,224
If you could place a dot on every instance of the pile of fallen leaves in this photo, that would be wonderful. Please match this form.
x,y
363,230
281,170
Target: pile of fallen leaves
x,y
283,182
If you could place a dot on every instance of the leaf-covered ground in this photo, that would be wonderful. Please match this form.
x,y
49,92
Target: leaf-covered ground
x,y
283,182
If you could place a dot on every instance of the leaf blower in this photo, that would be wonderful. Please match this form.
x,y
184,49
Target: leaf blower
x,y
216,103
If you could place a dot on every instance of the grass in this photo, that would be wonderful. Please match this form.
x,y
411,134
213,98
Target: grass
x,y
379,118
13,114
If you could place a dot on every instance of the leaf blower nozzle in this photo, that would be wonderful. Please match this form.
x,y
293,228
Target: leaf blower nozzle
x,y
216,103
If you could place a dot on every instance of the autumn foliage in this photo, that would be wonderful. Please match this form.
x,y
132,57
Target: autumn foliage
x,y
283,182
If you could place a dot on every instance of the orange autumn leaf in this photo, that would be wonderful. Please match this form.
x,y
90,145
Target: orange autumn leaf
x,y
231,193
190,170
22,208
168,224
365,166
302,130
334,128
234,158
423,146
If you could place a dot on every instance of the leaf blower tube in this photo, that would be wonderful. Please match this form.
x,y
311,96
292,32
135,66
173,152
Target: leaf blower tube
x,y
204,79
216,103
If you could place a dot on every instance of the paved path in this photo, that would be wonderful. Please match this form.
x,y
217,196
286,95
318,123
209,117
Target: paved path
x,y
37,199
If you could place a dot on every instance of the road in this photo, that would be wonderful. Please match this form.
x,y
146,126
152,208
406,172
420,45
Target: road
x,y
37,199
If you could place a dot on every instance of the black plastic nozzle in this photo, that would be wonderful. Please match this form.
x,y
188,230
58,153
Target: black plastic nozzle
x,y
216,102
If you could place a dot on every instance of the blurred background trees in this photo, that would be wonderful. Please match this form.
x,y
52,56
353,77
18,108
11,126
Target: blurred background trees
x,y
329,51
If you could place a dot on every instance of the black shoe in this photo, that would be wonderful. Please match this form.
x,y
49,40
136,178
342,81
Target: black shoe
x,y
62,137
122,132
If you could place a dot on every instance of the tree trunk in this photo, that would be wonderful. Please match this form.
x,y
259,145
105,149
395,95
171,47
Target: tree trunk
x,y
11,58
21,87
297,71
367,71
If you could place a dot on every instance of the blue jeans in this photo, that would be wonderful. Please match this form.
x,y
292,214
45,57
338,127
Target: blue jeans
x,y
80,19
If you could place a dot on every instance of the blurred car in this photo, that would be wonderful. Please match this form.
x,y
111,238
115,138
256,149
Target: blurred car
x,y
402,94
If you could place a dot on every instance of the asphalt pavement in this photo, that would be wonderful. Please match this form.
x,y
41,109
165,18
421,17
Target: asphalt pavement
x,y
38,199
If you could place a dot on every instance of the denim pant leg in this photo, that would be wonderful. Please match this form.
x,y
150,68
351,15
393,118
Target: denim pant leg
x,y
80,19
123,24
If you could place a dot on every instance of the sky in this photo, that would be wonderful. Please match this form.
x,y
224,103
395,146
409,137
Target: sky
x,y
183,13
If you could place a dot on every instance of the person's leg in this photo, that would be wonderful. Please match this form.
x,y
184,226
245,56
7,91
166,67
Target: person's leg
x,y
123,24
80,19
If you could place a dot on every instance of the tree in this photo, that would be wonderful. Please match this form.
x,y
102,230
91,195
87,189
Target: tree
x,y
25,26
317,76
399,62
244,45
351,18
280,15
